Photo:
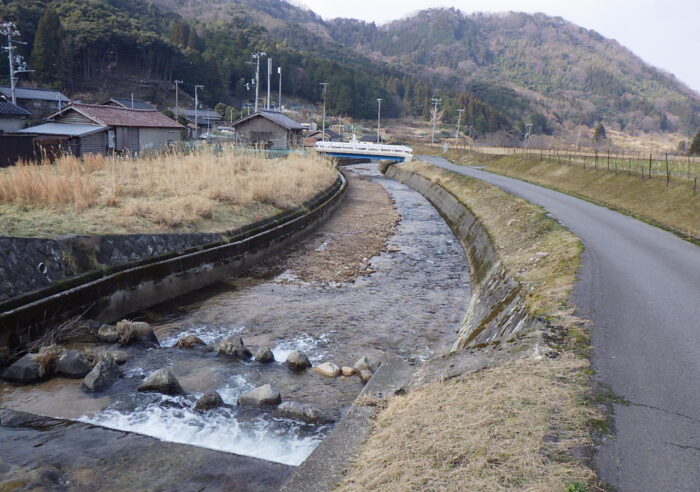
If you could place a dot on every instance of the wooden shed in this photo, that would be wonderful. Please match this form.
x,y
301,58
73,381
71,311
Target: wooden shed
x,y
268,129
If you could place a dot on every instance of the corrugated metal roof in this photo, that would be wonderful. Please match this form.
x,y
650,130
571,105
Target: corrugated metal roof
x,y
126,103
68,129
279,118
27,93
9,109
116,116
201,113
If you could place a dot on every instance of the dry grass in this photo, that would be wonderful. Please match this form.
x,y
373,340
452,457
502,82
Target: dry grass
x,y
47,357
203,190
481,432
674,207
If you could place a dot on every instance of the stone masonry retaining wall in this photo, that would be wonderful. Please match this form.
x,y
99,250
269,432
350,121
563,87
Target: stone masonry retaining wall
x,y
497,309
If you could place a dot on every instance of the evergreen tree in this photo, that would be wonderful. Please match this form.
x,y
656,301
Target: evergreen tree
x,y
46,55
695,145
599,133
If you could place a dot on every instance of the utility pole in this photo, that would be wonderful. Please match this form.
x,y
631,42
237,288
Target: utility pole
x,y
256,56
528,130
379,120
459,120
323,129
269,70
196,107
16,62
177,98
435,102
279,97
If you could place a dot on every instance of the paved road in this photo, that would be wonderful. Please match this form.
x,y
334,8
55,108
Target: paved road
x,y
641,288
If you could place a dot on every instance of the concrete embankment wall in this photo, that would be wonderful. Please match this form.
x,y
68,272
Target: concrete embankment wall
x,y
497,309
113,276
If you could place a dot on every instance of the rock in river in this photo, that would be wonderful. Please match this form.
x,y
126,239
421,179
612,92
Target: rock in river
x,y
298,361
233,346
261,396
367,364
26,370
189,341
72,364
136,331
103,375
304,412
264,355
162,381
365,375
347,371
209,400
327,369
108,334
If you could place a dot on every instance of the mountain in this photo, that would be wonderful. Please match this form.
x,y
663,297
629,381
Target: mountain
x,y
530,63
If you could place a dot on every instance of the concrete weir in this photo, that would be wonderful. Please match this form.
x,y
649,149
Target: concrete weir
x,y
108,294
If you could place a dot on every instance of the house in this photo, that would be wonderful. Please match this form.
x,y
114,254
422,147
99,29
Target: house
x,y
372,139
268,129
39,102
12,117
96,129
128,103
206,118
328,136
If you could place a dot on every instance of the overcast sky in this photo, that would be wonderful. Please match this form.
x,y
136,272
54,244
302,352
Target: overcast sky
x,y
663,33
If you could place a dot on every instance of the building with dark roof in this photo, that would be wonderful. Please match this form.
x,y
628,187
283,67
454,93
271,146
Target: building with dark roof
x,y
330,135
12,117
206,118
97,129
39,102
128,103
268,129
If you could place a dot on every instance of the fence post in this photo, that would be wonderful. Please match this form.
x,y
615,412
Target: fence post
x,y
668,173
596,160
695,186
649,165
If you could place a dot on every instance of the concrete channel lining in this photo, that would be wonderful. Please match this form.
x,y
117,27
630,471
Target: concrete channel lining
x,y
111,294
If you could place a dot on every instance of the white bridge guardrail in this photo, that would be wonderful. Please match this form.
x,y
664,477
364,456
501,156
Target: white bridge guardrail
x,y
362,147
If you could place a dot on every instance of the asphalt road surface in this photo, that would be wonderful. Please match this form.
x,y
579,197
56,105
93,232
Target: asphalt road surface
x,y
640,286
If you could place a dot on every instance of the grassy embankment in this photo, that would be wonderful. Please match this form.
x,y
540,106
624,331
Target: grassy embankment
x,y
200,191
674,207
511,426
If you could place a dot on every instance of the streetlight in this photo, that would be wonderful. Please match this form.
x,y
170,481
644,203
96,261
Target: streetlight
x,y
323,129
379,120
279,97
435,102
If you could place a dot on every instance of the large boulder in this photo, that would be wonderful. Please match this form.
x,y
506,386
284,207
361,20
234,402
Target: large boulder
x,y
4,356
298,361
233,346
105,373
264,355
367,364
304,412
209,400
72,364
162,381
259,397
108,334
327,369
136,332
365,375
118,356
26,370
347,371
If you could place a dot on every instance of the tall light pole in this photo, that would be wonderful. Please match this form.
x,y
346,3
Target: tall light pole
x,y
323,128
459,120
256,56
379,120
269,73
16,62
279,96
435,102
196,106
177,98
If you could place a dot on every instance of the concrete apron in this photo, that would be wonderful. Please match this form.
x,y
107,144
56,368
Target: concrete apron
x,y
134,287
495,314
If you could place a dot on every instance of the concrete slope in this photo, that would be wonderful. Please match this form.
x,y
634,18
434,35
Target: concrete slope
x,y
640,286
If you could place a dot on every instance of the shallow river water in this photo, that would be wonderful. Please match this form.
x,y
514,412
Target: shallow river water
x,y
410,305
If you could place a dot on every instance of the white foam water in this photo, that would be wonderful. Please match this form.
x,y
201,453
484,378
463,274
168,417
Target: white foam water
x,y
263,437
208,334
305,343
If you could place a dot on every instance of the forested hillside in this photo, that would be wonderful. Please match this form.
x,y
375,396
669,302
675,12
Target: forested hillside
x,y
571,74
88,47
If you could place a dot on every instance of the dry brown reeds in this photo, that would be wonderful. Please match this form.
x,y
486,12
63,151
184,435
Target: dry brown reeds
x,y
166,190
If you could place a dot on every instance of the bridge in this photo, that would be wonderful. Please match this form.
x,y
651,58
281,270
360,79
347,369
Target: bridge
x,y
362,150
